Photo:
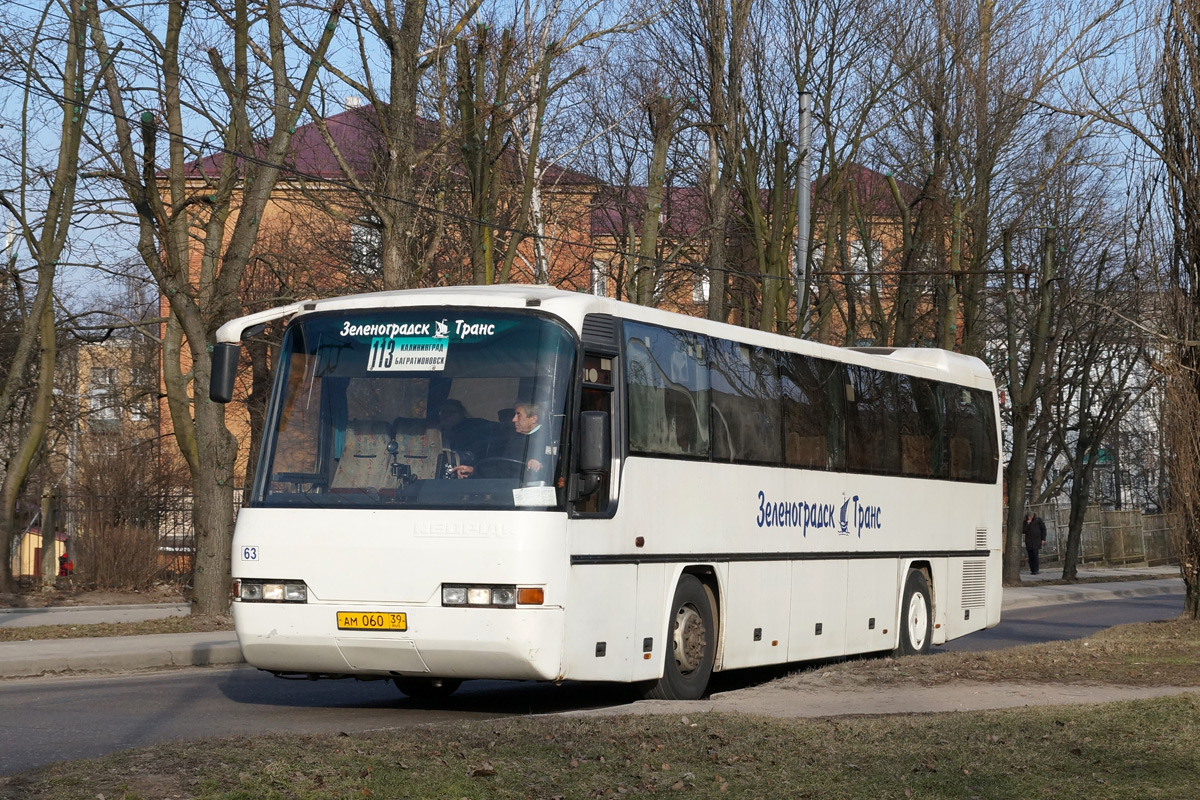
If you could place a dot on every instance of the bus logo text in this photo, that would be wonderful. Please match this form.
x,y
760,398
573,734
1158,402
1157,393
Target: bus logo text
x,y
390,329
465,529
800,514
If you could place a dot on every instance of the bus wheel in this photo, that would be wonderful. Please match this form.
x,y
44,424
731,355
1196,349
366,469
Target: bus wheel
x,y
693,644
426,688
916,621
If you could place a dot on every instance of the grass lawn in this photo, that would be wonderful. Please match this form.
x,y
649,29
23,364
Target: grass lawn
x,y
1137,749
1141,749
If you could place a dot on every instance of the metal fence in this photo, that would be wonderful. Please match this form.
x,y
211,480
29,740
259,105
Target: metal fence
x,y
1111,538
122,541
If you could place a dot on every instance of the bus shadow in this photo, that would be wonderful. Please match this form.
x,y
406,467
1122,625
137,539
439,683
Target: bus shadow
x,y
246,686
489,697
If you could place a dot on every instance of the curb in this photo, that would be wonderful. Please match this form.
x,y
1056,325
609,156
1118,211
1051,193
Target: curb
x,y
1038,596
118,654
70,609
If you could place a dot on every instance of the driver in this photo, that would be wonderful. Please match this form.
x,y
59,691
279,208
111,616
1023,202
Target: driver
x,y
527,446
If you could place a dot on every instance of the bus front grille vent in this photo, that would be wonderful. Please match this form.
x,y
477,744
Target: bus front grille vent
x,y
600,330
981,539
974,584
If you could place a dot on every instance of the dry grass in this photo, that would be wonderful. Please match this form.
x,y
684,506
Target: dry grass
x,y
1165,653
188,624
1118,751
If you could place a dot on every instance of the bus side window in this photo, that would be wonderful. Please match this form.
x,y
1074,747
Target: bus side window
x,y
988,452
970,428
667,376
872,429
597,396
921,436
745,403
813,412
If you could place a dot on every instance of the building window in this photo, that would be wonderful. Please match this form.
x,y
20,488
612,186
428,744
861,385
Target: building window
x,y
103,394
599,279
700,289
862,259
366,244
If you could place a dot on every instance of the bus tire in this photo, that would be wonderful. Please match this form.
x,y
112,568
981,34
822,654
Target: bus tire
x,y
426,688
916,619
692,634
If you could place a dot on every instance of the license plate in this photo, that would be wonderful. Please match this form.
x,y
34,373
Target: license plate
x,y
371,621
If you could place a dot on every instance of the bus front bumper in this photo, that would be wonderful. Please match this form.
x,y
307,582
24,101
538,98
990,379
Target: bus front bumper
x,y
463,643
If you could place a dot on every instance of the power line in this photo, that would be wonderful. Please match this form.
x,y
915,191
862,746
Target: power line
x,y
844,277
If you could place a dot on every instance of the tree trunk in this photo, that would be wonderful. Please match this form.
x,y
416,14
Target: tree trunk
x,y
1024,389
1079,505
49,565
662,114
212,485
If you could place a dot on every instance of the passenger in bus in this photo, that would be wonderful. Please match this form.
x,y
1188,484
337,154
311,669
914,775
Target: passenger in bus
x,y
528,445
466,435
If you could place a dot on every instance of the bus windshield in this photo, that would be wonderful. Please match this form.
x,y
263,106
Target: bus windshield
x,y
418,408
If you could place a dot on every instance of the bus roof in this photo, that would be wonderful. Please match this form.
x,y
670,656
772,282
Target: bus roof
x,y
572,307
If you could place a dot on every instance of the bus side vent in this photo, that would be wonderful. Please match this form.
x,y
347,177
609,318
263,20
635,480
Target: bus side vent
x,y
974,584
600,331
981,539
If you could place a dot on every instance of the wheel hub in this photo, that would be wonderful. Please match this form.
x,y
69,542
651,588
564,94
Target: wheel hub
x,y
690,639
916,621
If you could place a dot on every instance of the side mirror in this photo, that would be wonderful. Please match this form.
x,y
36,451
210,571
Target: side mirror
x,y
224,370
595,441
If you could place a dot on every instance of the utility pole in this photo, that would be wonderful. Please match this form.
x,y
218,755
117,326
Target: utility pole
x,y
803,209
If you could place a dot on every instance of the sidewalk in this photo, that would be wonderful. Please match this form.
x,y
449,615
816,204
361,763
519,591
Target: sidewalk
x,y
124,653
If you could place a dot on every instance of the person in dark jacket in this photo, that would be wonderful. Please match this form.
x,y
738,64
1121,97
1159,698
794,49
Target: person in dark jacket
x,y
527,445
1035,538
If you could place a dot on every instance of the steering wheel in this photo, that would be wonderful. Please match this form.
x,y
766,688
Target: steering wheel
x,y
499,467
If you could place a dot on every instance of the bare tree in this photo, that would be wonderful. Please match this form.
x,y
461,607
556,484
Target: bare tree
x,y
388,187
637,149
41,202
1027,337
982,75
1179,128
184,204
1102,361
708,39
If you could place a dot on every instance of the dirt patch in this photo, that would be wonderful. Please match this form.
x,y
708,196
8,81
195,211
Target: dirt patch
x,y
67,595
810,698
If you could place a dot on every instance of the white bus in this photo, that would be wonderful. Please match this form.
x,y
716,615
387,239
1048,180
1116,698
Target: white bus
x,y
524,483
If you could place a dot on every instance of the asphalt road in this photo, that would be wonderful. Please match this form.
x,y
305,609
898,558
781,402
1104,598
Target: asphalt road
x,y
1068,621
57,718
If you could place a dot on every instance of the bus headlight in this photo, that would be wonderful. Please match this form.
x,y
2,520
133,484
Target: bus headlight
x,y
256,591
501,596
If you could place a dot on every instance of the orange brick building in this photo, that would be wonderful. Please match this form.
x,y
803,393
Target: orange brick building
x,y
318,238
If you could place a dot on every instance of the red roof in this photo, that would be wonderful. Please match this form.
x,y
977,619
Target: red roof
x,y
685,213
359,137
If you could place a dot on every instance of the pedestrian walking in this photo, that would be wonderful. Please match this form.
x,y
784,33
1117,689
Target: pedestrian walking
x,y
1035,539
